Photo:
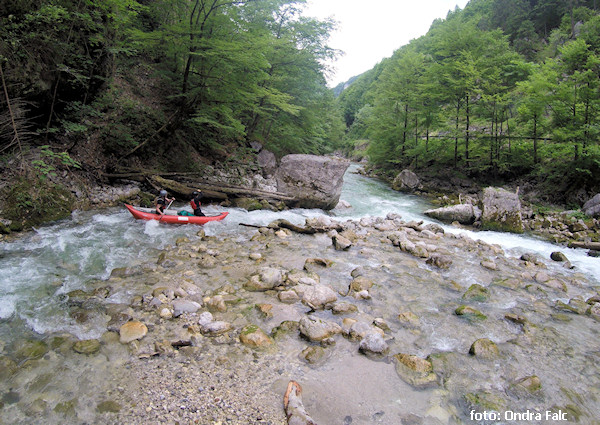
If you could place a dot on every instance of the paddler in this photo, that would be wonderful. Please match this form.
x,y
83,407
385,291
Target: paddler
x,y
162,202
196,204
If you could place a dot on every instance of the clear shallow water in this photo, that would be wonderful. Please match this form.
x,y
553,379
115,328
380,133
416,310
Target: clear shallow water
x,y
46,263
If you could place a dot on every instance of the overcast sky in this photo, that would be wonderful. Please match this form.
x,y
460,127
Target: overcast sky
x,y
370,30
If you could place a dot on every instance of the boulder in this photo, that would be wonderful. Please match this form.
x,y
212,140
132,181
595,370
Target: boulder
x,y
341,243
558,256
469,313
267,162
476,292
406,181
463,213
313,181
315,329
254,337
440,261
501,211
374,344
484,348
88,346
316,296
414,370
208,327
131,331
181,306
313,354
268,278
592,207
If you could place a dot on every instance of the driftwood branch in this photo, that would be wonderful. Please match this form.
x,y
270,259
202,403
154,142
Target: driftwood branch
x,y
284,224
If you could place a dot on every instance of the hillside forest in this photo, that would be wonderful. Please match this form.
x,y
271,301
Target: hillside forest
x,y
503,91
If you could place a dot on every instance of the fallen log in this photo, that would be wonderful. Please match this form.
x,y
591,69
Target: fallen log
x,y
183,191
595,246
284,224
237,191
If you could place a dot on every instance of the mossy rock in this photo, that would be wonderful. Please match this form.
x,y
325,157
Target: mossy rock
x,y
530,384
484,348
108,406
254,337
146,199
31,202
31,349
486,401
88,346
66,408
248,204
7,367
415,370
284,328
476,292
313,354
469,313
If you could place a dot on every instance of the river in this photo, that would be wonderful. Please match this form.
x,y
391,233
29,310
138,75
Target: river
x,y
40,267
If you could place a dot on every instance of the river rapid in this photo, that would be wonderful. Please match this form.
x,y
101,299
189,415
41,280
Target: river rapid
x,y
43,380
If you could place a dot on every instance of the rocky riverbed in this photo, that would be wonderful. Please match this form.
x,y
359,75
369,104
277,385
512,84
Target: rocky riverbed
x,y
382,321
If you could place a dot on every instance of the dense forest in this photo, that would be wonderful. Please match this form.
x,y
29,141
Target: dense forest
x,y
102,82
502,91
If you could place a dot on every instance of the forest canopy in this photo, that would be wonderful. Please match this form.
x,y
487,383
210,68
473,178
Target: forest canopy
x,y
126,76
504,90
500,91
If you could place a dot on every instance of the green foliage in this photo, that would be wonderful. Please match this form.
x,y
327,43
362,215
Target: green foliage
x,y
463,96
49,160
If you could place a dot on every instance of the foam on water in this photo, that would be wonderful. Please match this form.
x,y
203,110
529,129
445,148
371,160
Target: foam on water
x,y
7,307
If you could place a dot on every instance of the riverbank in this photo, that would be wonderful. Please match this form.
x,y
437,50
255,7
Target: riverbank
x,y
550,222
400,322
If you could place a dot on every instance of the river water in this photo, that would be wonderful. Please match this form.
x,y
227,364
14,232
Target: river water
x,y
40,267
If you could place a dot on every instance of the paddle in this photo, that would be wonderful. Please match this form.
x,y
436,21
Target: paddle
x,y
163,214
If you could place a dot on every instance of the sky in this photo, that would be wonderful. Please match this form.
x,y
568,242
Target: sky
x,y
371,30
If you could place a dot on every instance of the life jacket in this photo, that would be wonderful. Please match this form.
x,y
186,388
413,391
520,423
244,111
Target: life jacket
x,y
162,202
195,203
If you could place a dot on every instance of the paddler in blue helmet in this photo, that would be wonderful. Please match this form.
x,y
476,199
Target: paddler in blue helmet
x,y
162,202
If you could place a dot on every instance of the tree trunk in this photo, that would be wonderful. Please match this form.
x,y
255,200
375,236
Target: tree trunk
x,y
405,128
586,245
535,157
467,133
456,135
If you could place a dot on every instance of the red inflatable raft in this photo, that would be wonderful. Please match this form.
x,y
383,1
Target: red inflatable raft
x,y
171,216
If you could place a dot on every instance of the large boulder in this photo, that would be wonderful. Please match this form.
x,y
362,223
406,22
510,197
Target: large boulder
x,y
406,181
592,207
267,161
463,213
501,211
313,181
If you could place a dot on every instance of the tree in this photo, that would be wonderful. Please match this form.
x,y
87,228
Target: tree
x,y
534,102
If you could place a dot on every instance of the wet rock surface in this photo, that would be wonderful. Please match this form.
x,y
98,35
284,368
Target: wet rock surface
x,y
409,325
